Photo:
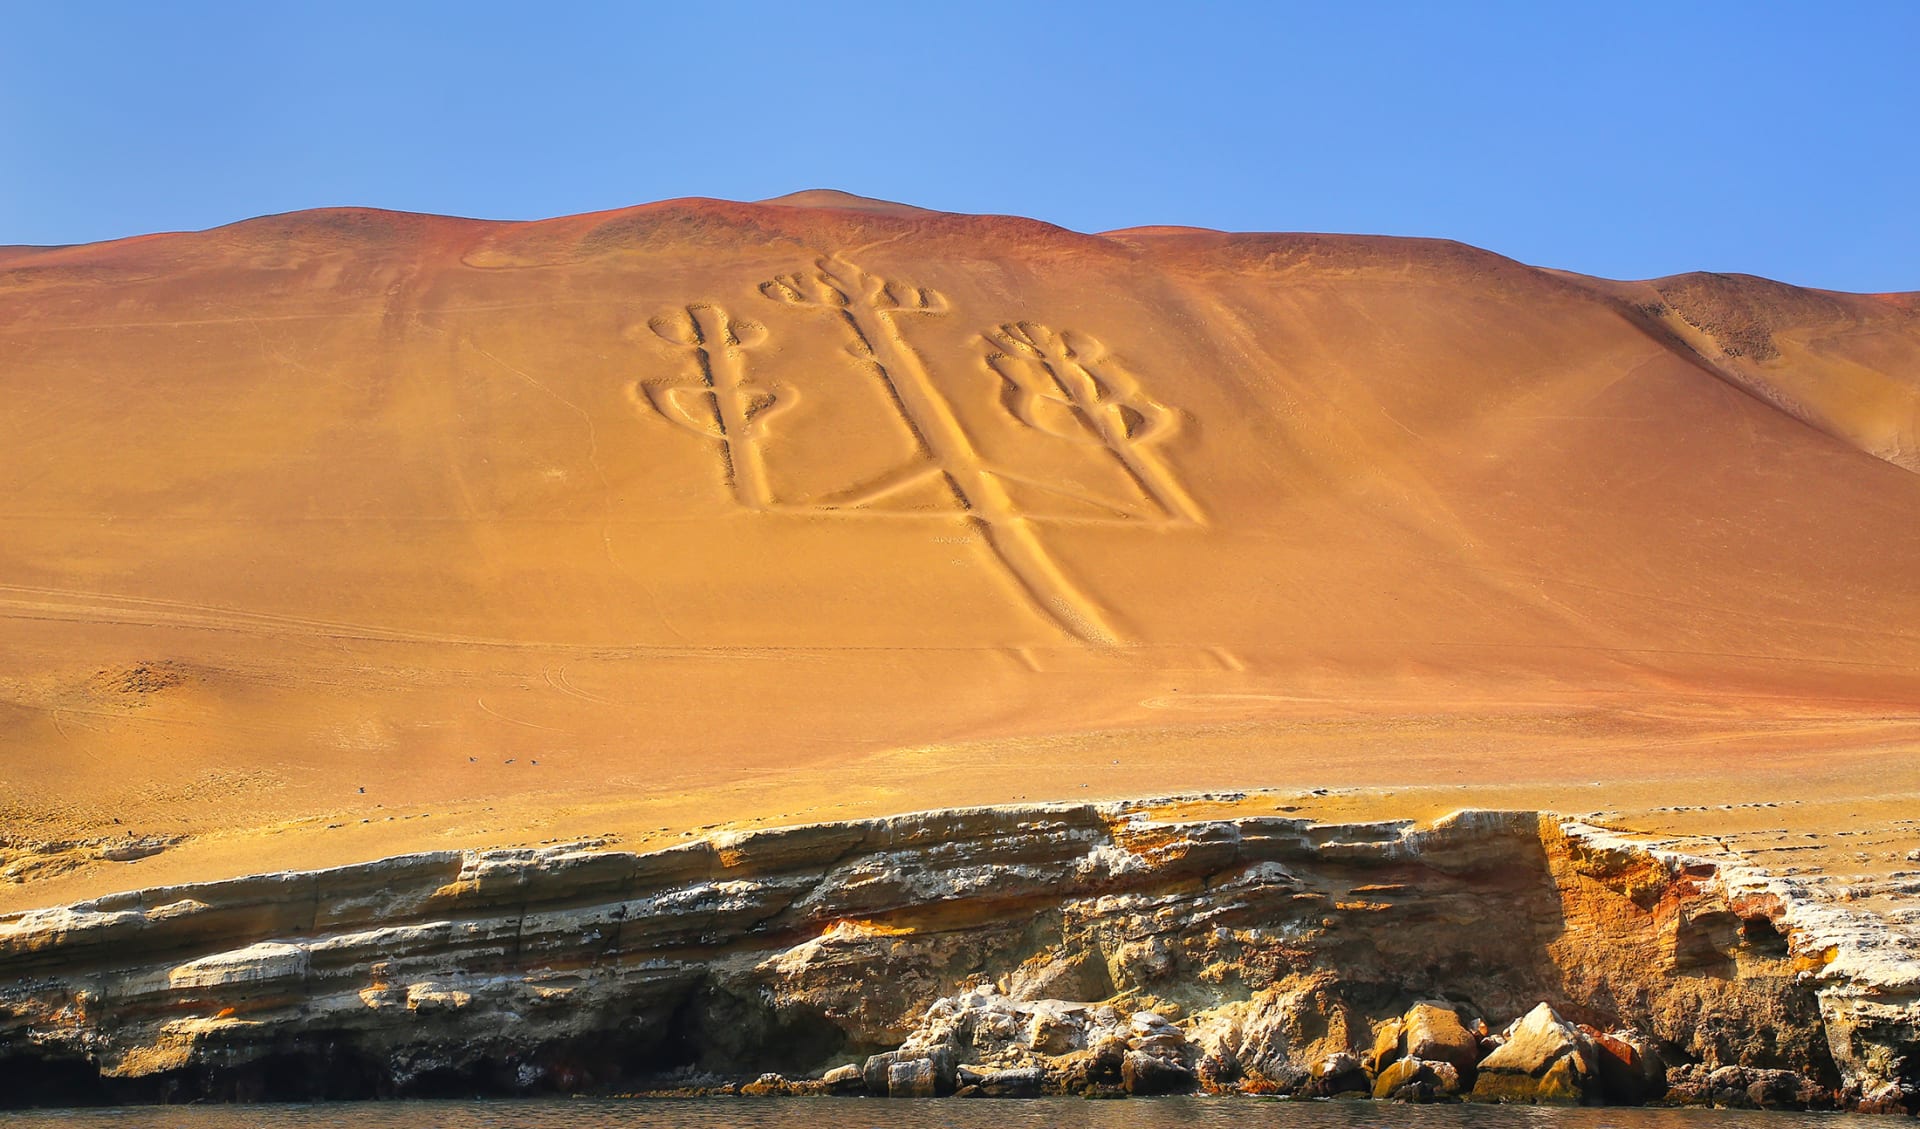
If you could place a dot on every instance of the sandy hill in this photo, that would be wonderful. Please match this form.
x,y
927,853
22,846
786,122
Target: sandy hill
x,y
344,532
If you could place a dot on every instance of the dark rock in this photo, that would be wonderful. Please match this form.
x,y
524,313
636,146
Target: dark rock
x,y
1687,1085
1218,1067
1144,1074
1743,1087
1631,1072
1336,1074
1020,1082
945,1068
1423,1080
1106,1059
873,1074
1424,1092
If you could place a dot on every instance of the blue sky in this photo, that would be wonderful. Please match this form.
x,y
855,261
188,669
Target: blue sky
x,y
1626,139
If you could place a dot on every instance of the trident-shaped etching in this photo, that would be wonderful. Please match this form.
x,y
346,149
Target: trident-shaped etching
x,y
1063,383
723,405
872,309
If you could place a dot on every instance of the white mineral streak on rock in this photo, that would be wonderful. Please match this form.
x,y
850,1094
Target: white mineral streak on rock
x,y
263,963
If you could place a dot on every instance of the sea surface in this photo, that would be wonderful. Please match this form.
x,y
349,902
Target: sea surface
x,y
880,1113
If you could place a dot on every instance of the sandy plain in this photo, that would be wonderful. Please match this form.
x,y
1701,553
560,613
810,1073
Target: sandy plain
x,y
342,534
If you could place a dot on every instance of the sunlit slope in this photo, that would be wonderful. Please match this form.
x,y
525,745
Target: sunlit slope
x,y
701,493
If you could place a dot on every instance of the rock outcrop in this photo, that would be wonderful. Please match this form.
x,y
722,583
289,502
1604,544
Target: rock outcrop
x,y
992,952
1429,1053
1543,1059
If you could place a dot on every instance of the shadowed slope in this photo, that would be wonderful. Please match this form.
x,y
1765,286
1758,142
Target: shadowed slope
x,y
1848,364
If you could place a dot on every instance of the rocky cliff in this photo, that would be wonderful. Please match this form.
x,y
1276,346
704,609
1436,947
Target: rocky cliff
x,y
1126,947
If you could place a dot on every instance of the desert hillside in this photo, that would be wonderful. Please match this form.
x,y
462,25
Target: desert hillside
x,y
331,535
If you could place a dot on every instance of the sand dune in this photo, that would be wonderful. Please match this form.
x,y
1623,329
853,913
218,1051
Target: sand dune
x,y
340,533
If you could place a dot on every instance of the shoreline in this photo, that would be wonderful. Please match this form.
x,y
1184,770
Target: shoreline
x,y
1206,941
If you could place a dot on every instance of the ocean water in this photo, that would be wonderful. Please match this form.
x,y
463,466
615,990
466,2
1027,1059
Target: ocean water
x,y
879,1113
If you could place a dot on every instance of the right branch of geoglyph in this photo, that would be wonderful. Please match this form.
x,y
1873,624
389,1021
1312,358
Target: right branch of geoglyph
x,y
1064,384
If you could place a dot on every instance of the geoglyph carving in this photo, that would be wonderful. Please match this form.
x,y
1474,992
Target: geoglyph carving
x,y
721,403
1061,384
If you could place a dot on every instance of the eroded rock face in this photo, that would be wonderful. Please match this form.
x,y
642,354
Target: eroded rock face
x,y
935,954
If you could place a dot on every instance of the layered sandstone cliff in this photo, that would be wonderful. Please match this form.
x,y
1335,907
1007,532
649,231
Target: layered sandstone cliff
x,y
1002,950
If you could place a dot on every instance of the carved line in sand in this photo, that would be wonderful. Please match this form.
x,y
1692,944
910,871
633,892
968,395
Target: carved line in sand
x,y
724,404
1059,383
1052,384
